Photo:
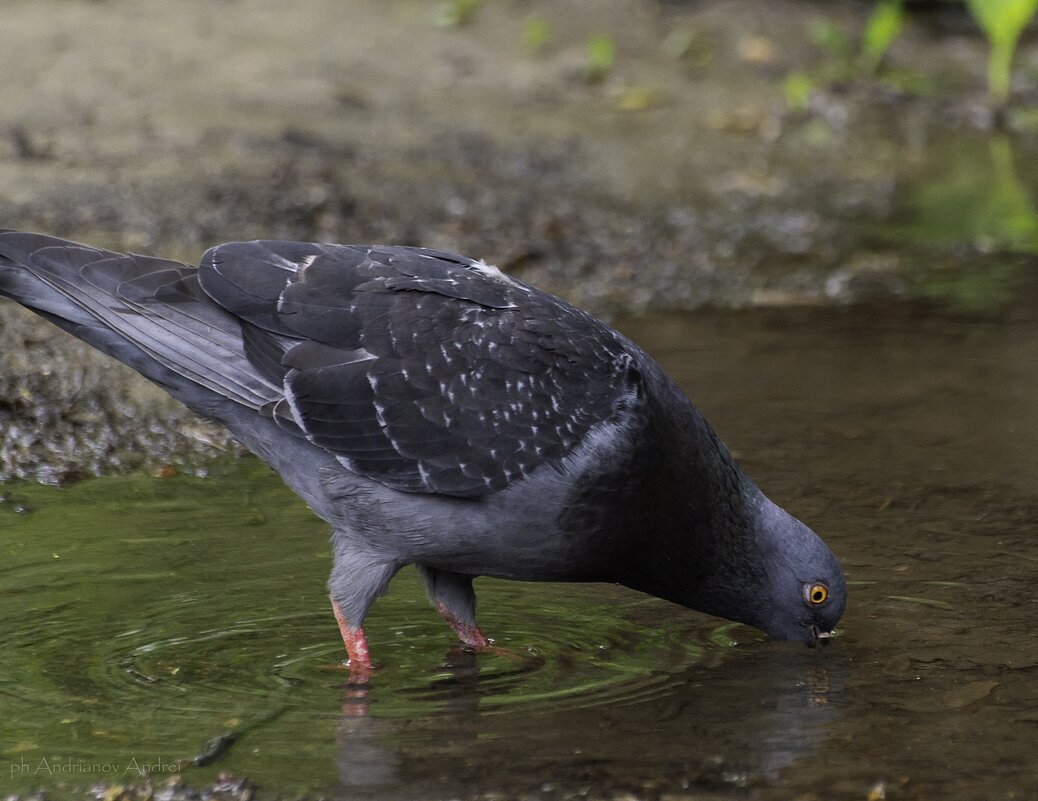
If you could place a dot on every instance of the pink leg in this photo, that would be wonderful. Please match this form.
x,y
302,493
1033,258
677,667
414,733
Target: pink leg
x,y
359,660
468,633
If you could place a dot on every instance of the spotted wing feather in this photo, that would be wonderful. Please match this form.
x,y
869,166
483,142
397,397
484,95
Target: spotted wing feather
x,y
422,370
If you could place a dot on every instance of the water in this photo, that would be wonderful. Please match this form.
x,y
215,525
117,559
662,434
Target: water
x,y
143,617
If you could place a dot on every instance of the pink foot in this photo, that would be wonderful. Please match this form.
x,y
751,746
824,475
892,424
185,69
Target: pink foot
x,y
468,633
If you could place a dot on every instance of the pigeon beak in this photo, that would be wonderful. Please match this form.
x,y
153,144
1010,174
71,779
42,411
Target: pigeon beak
x,y
819,636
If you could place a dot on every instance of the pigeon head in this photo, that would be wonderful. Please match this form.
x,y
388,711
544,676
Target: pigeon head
x,y
758,565
710,540
803,592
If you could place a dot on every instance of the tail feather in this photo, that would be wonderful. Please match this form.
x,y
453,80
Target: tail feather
x,y
147,312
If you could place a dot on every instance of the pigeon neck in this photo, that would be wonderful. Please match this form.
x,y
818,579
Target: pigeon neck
x,y
702,518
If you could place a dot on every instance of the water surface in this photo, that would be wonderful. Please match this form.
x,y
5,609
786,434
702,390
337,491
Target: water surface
x,y
143,617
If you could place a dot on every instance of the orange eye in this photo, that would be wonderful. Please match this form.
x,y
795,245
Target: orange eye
x,y
816,594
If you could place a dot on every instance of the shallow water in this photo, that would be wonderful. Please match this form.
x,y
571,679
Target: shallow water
x,y
143,617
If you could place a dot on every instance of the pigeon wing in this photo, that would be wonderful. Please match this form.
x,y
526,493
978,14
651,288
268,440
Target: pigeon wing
x,y
425,371
154,305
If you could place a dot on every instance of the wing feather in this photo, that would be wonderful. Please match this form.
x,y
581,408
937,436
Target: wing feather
x,y
422,370
156,305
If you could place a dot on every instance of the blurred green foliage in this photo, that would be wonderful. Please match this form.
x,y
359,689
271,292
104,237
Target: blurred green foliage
x,y
599,57
797,90
974,289
536,33
1002,22
979,199
454,13
882,27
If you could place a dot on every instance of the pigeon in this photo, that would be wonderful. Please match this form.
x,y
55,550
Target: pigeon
x,y
435,411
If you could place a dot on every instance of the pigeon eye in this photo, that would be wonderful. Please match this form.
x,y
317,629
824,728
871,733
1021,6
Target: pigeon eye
x,y
816,594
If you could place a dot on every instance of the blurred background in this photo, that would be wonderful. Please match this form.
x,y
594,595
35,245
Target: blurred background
x,y
629,155
632,156
819,215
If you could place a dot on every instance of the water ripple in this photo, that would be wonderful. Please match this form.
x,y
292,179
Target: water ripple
x,y
145,615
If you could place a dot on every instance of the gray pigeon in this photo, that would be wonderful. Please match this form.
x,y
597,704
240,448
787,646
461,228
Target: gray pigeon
x,y
437,412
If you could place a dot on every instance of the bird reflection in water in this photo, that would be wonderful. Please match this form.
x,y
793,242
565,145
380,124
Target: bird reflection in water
x,y
743,719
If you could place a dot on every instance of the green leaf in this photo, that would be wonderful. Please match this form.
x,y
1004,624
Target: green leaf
x,y
600,55
883,26
536,33
1002,22
797,90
